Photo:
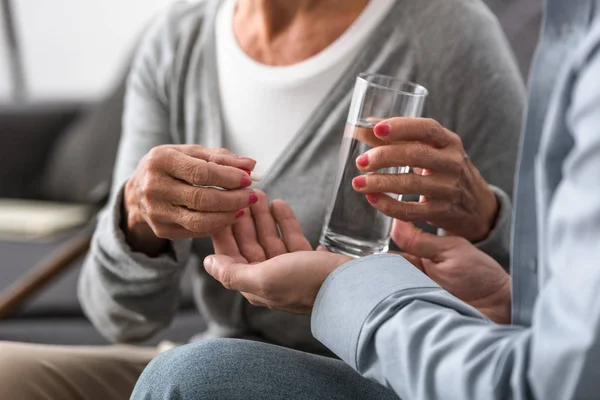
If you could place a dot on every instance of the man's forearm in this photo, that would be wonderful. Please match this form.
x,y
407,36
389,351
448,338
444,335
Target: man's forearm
x,y
394,325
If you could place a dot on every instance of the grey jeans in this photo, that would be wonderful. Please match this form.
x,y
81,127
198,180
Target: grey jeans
x,y
241,369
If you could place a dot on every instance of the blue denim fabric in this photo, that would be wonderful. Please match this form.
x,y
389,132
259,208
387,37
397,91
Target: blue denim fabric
x,y
242,369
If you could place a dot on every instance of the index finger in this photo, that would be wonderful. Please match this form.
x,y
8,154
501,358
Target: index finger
x,y
424,130
217,156
200,172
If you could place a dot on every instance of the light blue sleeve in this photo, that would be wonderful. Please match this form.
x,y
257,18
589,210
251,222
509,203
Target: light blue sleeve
x,y
394,325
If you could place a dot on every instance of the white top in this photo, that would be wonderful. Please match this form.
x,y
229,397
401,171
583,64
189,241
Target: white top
x,y
265,106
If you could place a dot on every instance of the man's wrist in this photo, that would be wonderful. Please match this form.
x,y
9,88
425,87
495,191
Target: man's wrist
x,y
498,306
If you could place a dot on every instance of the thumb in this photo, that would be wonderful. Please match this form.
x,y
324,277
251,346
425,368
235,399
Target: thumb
x,y
232,275
414,241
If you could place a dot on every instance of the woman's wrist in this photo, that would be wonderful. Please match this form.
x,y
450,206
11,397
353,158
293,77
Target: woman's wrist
x,y
138,234
488,220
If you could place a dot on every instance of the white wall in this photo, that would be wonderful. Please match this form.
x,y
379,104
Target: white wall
x,y
75,49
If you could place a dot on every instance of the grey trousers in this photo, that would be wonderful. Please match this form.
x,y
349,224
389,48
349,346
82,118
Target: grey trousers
x,y
240,369
41,372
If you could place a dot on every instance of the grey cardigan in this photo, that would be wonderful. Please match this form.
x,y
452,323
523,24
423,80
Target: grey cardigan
x,y
455,48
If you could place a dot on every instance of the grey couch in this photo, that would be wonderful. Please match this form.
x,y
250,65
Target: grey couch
x,y
62,152
65,152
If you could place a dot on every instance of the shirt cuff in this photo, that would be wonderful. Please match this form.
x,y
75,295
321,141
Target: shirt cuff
x,y
352,292
110,239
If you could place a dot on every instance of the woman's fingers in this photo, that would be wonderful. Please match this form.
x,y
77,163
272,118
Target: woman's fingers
x,y
266,228
409,211
203,223
423,130
291,231
218,156
414,154
409,183
205,199
196,171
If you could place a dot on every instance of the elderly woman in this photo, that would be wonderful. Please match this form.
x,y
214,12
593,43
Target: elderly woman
x,y
219,85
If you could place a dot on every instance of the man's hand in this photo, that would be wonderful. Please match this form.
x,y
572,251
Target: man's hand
x,y
458,267
271,269
172,195
289,282
454,195
256,236
265,256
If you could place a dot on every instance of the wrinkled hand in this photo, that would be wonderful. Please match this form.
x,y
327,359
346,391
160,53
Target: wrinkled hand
x,y
454,195
459,268
271,270
172,194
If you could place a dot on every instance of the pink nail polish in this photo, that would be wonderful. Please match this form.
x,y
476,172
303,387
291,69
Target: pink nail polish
x,y
360,181
382,130
246,171
371,198
240,214
245,181
363,160
253,198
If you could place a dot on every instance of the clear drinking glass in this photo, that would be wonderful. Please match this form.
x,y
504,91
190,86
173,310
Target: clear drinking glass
x,y
352,226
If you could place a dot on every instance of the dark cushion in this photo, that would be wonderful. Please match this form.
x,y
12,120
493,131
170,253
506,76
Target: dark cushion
x,y
81,162
27,133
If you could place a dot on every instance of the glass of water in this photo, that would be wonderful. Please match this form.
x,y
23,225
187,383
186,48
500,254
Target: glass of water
x,y
352,226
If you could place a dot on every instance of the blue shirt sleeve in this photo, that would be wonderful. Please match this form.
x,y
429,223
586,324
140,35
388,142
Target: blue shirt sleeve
x,y
394,325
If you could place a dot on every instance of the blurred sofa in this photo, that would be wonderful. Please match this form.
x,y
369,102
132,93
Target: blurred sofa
x,y
65,152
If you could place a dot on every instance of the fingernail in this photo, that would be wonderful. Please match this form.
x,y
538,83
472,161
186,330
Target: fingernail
x,y
382,130
246,171
245,181
371,198
362,160
360,181
240,214
253,198
209,262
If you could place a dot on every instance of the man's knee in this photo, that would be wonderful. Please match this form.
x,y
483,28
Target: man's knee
x,y
197,370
